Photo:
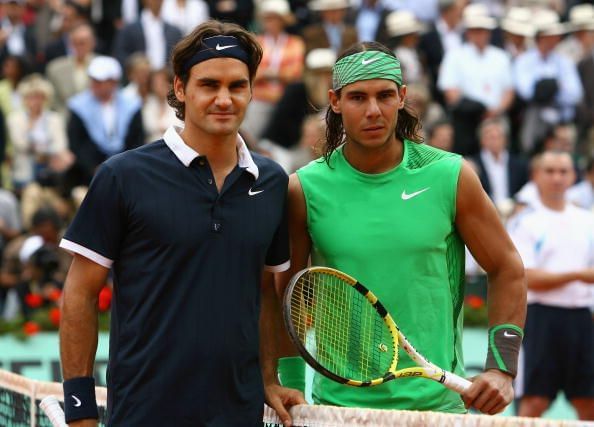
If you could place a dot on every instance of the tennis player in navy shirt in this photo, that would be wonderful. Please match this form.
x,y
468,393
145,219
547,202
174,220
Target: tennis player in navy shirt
x,y
193,226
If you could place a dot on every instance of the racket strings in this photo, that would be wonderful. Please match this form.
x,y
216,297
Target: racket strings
x,y
340,328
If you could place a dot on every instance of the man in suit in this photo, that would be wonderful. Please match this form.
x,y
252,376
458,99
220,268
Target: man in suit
x,y
72,15
16,38
332,32
501,173
68,74
444,34
150,35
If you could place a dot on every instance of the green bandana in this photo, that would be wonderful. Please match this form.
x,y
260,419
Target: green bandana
x,y
367,65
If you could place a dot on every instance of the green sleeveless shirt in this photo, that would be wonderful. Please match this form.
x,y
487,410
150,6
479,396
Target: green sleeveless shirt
x,y
395,233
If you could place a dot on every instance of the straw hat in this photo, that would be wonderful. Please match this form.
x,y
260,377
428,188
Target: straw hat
x,y
581,17
546,23
318,59
319,5
401,22
476,16
35,83
280,8
518,20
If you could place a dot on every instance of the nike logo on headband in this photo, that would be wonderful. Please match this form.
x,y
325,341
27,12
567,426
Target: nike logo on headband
x,y
368,61
219,47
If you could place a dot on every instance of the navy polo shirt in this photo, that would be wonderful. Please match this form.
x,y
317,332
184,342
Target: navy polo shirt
x,y
187,265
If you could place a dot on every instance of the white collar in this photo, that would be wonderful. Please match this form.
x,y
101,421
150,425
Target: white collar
x,y
147,18
186,154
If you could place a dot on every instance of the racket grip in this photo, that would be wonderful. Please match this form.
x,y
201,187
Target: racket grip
x,y
53,410
456,382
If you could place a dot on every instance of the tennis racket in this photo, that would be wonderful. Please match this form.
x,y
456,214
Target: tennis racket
x,y
345,333
51,407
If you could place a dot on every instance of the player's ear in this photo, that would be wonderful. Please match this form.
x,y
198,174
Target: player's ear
x,y
402,96
178,89
334,101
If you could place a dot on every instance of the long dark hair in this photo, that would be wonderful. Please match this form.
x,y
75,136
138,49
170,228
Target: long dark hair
x,y
407,126
187,46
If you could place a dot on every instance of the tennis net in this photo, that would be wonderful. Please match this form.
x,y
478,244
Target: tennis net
x,y
20,397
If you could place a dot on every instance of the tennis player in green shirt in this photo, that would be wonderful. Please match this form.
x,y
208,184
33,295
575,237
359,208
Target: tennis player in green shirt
x,y
396,214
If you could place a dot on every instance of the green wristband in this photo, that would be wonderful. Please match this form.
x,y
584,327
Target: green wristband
x,y
291,372
504,348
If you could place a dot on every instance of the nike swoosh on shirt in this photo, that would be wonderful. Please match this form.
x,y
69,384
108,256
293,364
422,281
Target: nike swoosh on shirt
x,y
219,47
508,335
253,193
411,195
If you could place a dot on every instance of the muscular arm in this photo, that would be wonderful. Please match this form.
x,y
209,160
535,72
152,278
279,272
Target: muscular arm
x,y
78,326
300,250
482,231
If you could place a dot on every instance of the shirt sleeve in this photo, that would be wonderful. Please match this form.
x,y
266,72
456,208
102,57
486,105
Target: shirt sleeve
x,y
97,228
524,241
278,255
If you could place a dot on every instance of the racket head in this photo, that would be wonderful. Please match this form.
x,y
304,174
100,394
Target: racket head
x,y
340,328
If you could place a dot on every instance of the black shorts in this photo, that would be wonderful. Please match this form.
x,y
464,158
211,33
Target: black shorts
x,y
558,353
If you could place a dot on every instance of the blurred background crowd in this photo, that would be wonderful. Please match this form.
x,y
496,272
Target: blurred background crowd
x,y
497,81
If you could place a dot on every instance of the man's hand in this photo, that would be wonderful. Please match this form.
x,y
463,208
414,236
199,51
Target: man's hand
x,y
490,392
281,399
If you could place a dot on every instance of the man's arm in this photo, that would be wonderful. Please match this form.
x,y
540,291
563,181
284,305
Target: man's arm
x,y
541,280
279,398
300,249
78,326
482,231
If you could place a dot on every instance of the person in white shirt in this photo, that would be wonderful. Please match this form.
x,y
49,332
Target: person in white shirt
x,y
556,243
548,82
476,79
185,14
150,34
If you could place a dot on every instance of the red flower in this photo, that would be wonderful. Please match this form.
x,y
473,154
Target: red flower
x,y
475,302
54,295
104,299
31,328
33,300
54,316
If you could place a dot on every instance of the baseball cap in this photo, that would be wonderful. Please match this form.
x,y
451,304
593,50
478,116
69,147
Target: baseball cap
x,y
104,68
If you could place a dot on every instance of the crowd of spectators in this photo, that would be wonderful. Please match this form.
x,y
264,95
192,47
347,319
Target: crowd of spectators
x,y
81,80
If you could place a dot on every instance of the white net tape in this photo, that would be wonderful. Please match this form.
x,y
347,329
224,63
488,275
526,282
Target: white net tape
x,y
313,416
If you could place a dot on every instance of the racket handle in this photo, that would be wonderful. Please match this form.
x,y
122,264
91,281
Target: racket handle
x,y
456,382
53,410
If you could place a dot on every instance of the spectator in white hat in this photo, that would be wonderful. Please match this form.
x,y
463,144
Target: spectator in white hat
x,y
517,29
476,79
404,29
282,63
332,32
546,80
581,25
102,122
